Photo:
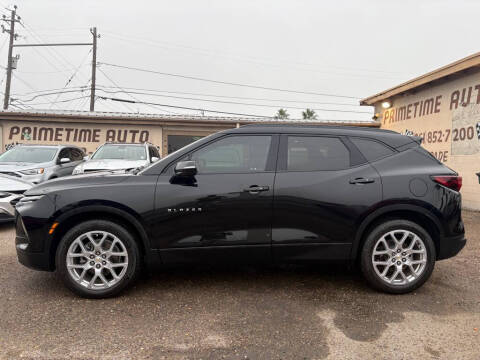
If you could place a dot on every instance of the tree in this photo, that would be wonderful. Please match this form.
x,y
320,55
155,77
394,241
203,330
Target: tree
x,y
282,114
309,114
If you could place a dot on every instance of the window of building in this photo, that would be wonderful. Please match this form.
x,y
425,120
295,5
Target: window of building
x,y
314,153
176,142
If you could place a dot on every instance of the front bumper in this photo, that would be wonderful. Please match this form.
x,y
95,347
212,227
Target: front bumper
x,y
32,242
32,259
451,246
36,261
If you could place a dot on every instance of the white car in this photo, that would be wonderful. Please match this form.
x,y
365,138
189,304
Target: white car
x,y
119,156
11,190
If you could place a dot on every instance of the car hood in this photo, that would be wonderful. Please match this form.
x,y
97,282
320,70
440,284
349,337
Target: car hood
x,y
11,184
76,181
111,164
18,166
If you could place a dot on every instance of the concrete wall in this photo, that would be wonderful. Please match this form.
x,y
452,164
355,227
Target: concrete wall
x,y
447,116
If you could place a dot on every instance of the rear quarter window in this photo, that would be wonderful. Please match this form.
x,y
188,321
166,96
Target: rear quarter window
x,y
371,149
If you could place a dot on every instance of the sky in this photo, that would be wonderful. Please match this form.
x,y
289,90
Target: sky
x,y
348,48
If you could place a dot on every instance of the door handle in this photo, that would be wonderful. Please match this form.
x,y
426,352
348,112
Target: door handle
x,y
361,181
255,189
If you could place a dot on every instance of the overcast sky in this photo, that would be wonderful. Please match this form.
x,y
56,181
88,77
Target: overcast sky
x,y
350,48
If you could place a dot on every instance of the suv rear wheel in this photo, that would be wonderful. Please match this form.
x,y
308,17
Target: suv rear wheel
x,y
98,259
398,256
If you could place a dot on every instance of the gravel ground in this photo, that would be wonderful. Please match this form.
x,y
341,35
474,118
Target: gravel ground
x,y
248,313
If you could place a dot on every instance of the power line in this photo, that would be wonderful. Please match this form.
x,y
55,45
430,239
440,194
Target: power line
x,y
180,107
122,90
73,75
59,101
235,97
242,57
23,81
234,103
62,91
47,72
225,82
133,97
57,56
198,94
207,110
46,90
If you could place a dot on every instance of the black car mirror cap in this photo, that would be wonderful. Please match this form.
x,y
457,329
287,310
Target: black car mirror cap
x,y
186,168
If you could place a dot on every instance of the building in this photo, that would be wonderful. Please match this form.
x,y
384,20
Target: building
x,y
91,129
443,107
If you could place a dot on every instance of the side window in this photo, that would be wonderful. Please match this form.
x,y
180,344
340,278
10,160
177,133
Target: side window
x,y
233,154
315,153
65,153
371,149
76,155
153,152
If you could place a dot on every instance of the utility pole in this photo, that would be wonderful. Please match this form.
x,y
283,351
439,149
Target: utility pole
x,y
94,68
13,36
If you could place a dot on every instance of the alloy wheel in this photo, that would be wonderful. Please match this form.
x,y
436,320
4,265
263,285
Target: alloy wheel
x,y
399,257
97,260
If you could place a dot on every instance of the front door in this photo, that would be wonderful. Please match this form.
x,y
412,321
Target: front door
x,y
224,213
323,187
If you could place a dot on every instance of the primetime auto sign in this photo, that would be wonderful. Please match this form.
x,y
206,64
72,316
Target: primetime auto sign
x,y
432,105
76,135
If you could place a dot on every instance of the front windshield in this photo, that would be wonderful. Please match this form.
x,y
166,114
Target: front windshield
x,y
120,152
28,154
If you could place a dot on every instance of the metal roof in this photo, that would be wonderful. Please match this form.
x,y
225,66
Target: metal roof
x,y
69,114
459,66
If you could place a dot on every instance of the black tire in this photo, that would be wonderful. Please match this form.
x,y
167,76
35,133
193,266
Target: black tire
x,y
367,266
134,259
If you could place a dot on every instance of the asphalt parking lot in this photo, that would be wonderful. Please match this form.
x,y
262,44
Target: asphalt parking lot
x,y
248,313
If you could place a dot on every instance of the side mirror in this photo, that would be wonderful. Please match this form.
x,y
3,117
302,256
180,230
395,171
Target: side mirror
x,y
86,157
186,168
64,160
154,158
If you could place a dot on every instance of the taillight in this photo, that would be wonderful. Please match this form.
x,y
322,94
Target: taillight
x,y
453,182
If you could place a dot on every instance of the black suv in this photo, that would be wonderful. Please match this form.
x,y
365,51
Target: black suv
x,y
252,194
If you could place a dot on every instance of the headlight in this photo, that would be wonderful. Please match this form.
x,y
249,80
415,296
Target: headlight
x,y
33,171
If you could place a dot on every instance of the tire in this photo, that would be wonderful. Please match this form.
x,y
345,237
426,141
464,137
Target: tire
x,y
415,265
117,253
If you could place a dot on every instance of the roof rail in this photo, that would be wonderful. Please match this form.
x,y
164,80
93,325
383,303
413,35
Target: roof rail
x,y
347,127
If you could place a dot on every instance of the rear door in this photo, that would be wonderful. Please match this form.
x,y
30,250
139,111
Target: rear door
x,y
323,186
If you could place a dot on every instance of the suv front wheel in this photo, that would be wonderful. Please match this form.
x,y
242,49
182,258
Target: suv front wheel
x,y
98,259
398,256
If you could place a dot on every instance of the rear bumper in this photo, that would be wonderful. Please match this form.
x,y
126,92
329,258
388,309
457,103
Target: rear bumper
x,y
451,246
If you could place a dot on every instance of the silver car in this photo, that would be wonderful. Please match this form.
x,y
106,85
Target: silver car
x,y
119,156
11,190
38,163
